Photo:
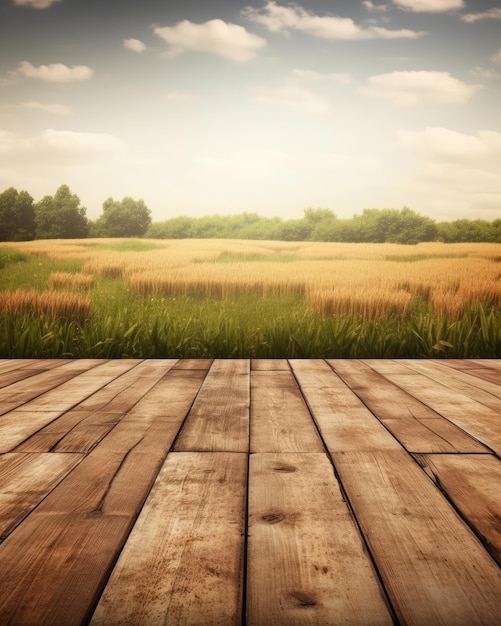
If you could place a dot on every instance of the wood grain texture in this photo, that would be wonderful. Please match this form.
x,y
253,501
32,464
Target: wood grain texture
x,y
25,480
183,563
219,418
306,561
345,423
265,365
434,568
280,419
418,427
479,421
473,484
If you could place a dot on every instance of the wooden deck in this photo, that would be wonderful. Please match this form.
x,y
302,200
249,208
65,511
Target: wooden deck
x,y
274,492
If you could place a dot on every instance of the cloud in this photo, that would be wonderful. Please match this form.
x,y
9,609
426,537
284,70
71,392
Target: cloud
x,y
490,14
11,143
485,73
36,4
336,77
429,6
55,109
55,73
370,6
496,57
445,145
277,18
136,45
224,39
408,88
291,97
78,143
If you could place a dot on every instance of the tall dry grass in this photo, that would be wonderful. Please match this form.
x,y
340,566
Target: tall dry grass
x,y
53,304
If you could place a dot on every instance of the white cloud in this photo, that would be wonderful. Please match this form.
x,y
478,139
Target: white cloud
x,y
445,145
12,143
408,88
56,109
496,57
485,73
36,4
136,45
224,39
490,14
336,77
77,142
293,98
370,6
55,73
178,96
429,6
278,18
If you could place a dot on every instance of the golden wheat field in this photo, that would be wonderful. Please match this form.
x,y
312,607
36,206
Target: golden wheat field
x,y
370,280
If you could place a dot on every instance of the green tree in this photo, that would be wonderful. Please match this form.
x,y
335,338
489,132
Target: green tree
x,y
60,216
17,216
126,218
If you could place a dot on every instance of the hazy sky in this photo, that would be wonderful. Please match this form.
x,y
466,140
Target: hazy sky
x,y
202,107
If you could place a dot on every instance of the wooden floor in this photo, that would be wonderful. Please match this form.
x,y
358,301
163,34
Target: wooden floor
x,y
308,492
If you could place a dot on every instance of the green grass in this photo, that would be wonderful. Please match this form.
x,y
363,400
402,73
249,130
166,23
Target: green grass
x,y
234,257
8,257
126,325
127,245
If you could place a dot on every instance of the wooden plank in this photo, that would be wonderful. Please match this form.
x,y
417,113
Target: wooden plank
x,y
306,561
73,391
345,423
473,483
24,369
263,365
415,425
476,419
21,424
19,393
219,418
25,480
433,567
478,389
80,428
55,564
183,562
487,370
280,419
193,364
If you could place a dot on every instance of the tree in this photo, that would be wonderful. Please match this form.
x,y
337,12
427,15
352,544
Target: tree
x,y
61,216
126,218
17,216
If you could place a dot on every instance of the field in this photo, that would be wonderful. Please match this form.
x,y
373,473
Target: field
x,y
115,298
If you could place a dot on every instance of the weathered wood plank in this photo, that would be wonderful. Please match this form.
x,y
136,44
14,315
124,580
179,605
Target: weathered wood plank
x,y
306,561
415,425
478,389
55,564
219,418
20,370
183,562
80,428
434,568
26,390
264,365
343,420
487,370
193,364
280,419
73,391
479,421
25,480
473,483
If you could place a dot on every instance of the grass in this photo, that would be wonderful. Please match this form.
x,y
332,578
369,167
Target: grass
x,y
269,318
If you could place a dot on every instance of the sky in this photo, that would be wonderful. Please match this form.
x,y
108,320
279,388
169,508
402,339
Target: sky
x,y
203,108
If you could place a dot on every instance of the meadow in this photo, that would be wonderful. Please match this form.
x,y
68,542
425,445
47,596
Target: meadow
x,y
117,298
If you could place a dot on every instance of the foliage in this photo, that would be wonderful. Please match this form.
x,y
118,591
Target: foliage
x,y
60,216
125,218
17,216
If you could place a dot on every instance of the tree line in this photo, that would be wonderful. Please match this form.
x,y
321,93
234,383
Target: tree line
x,y
61,216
